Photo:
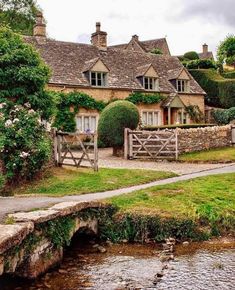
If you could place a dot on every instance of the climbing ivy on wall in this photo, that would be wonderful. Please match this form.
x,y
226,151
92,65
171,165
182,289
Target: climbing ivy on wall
x,y
68,106
137,98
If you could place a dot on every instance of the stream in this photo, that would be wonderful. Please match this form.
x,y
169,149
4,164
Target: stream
x,y
208,265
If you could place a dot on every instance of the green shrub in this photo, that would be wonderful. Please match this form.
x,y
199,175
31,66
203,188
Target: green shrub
x,y
220,91
229,75
223,117
200,64
138,98
113,119
191,55
156,51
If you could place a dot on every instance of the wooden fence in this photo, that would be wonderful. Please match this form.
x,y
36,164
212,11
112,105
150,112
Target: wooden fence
x,y
76,149
162,144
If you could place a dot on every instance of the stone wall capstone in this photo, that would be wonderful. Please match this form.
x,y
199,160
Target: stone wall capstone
x,y
198,139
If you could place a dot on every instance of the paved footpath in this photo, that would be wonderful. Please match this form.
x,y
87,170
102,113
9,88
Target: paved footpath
x,y
16,204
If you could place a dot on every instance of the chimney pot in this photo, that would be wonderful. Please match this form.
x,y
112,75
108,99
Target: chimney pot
x,y
39,29
135,37
98,25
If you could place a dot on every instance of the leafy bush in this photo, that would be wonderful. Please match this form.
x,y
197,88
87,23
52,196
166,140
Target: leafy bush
x,y
195,113
229,75
226,50
113,119
25,147
223,117
200,64
191,55
65,117
137,98
156,51
220,91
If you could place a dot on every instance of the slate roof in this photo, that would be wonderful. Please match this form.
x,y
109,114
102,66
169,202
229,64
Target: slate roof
x,y
68,61
208,55
149,45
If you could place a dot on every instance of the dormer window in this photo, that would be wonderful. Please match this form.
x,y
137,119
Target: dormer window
x,y
182,86
149,83
98,79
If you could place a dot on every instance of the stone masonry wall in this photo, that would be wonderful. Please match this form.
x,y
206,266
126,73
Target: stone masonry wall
x,y
197,139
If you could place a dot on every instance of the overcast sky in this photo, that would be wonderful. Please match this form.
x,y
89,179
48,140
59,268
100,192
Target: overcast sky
x,y
186,23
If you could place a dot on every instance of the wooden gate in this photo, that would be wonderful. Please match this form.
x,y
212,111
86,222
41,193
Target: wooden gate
x,y
161,144
76,149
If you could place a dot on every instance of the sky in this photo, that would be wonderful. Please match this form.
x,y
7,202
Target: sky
x,y
187,24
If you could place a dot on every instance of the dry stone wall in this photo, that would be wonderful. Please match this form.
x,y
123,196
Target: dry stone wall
x,y
198,139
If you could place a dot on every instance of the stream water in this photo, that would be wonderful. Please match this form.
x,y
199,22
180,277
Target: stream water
x,y
196,266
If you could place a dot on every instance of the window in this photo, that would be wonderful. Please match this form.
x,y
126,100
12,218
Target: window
x,y
149,83
150,118
182,85
98,79
179,119
86,123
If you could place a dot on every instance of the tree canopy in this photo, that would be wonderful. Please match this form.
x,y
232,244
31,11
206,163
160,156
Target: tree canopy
x,y
226,50
19,15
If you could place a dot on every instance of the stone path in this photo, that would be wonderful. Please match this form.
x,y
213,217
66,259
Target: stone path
x,y
16,204
107,160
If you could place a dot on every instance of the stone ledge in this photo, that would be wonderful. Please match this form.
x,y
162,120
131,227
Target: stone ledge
x,y
38,216
12,235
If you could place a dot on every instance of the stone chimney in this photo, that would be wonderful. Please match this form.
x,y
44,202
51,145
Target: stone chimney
x,y
135,37
99,38
205,48
39,29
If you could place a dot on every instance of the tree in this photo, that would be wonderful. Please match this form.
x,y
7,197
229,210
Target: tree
x,y
191,55
24,144
19,15
226,51
113,120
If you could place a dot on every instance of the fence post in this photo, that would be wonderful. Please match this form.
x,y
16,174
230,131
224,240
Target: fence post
x,y
95,152
176,145
126,145
55,143
130,145
233,135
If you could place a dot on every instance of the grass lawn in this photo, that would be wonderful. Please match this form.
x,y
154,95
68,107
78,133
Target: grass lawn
x,y
226,154
63,181
211,197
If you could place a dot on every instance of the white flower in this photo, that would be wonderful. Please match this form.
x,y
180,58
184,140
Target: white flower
x,y
2,105
31,111
16,120
24,155
8,123
27,105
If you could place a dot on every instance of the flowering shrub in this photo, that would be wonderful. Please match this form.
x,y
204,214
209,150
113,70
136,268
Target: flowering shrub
x,y
24,146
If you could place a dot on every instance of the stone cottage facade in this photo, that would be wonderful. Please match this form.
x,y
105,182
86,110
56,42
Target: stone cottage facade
x,y
114,72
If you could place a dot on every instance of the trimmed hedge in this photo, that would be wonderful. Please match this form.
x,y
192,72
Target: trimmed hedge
x,y
220,91
199,64
113,119
229,75
138,98
191,55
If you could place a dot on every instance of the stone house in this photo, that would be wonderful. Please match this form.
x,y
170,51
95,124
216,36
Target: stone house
x,y
114,72
206,54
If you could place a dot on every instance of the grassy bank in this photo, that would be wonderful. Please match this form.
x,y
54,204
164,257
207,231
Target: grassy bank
x,y
196,209
220,155
61,181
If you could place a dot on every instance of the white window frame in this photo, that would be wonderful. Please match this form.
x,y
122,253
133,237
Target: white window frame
x,y
103,78
179,117
148,112
182,86
149,80
83,117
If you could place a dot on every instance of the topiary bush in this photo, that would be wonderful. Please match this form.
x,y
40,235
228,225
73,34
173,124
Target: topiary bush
x,y
200,64
114,119
191,55
223,117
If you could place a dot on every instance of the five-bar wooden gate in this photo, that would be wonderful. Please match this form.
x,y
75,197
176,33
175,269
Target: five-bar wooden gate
x,y
161,144
76,149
